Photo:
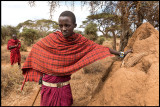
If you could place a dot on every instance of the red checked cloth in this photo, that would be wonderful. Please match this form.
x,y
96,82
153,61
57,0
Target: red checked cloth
x,y
59,56
15,53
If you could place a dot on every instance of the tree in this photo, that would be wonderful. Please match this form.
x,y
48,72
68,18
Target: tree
x,y
42,26
104,20
150,11
94,5
107,23
91,31
29,36
100,40
114,29
45,25
79,32
135,12
131,12
26,24
7,32
124,7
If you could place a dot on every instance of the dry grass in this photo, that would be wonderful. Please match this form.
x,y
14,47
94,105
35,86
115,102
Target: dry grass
x,y
11,76
94,68
11,81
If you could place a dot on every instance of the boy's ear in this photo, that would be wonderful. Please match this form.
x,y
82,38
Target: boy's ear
x,y
75,26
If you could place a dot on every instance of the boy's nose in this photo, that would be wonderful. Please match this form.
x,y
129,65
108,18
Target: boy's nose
x,y
63,28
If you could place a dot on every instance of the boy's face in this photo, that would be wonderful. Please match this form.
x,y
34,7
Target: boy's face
x,y
66,26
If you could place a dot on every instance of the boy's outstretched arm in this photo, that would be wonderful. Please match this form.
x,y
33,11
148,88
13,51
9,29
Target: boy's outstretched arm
x,y
112,51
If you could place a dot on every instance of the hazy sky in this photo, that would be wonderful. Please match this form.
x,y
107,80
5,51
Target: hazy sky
x,y
15,12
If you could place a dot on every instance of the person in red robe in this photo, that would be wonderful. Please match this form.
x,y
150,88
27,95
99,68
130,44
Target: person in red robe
x,y
57,56
14,46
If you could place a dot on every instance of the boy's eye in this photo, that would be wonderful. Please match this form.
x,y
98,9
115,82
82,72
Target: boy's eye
x,y
60,26
67,25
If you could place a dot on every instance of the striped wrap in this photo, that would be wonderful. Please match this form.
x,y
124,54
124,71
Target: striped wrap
x,y
59,56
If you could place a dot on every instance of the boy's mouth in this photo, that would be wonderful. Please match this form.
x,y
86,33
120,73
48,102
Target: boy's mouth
x,y
65,34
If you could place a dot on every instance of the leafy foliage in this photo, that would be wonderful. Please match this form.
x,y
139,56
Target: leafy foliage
x,y
91,31
100,40
106,22
79,32
7,32
29,36
43,26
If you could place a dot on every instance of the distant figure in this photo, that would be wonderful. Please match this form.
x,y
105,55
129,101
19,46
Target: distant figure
x,y
14,46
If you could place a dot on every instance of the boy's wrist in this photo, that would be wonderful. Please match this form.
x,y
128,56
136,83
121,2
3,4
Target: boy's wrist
x,y
121,54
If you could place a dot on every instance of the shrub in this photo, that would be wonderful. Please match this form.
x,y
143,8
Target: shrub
x,y
91,31
100,40
23,48
29,36
10,77
7,32
91,37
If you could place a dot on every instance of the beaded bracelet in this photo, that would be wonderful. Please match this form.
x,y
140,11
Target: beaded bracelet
x,y
121,54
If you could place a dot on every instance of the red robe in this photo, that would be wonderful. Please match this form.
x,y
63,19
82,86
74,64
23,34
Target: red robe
x,y
59,56
15,53
53,96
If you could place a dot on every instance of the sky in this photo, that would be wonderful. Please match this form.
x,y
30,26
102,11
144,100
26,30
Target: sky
x,y
15,12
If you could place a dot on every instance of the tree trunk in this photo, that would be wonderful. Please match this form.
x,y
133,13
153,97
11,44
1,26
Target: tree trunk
x,y
122,35
140,18
114,40
125,25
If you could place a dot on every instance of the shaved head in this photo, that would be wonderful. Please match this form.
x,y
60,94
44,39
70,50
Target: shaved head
x,y
69,14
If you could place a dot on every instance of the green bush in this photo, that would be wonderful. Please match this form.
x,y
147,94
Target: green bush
x,y
5,41
29,36
91,37
6,32
100,40
23,48
91,31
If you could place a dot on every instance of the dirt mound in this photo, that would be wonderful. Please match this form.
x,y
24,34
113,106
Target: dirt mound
x,y
136,79
86,82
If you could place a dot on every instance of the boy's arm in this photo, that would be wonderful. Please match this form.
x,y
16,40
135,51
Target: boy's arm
x,y
112,51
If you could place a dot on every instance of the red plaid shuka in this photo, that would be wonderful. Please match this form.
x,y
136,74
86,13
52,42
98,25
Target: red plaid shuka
x,y
59,56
